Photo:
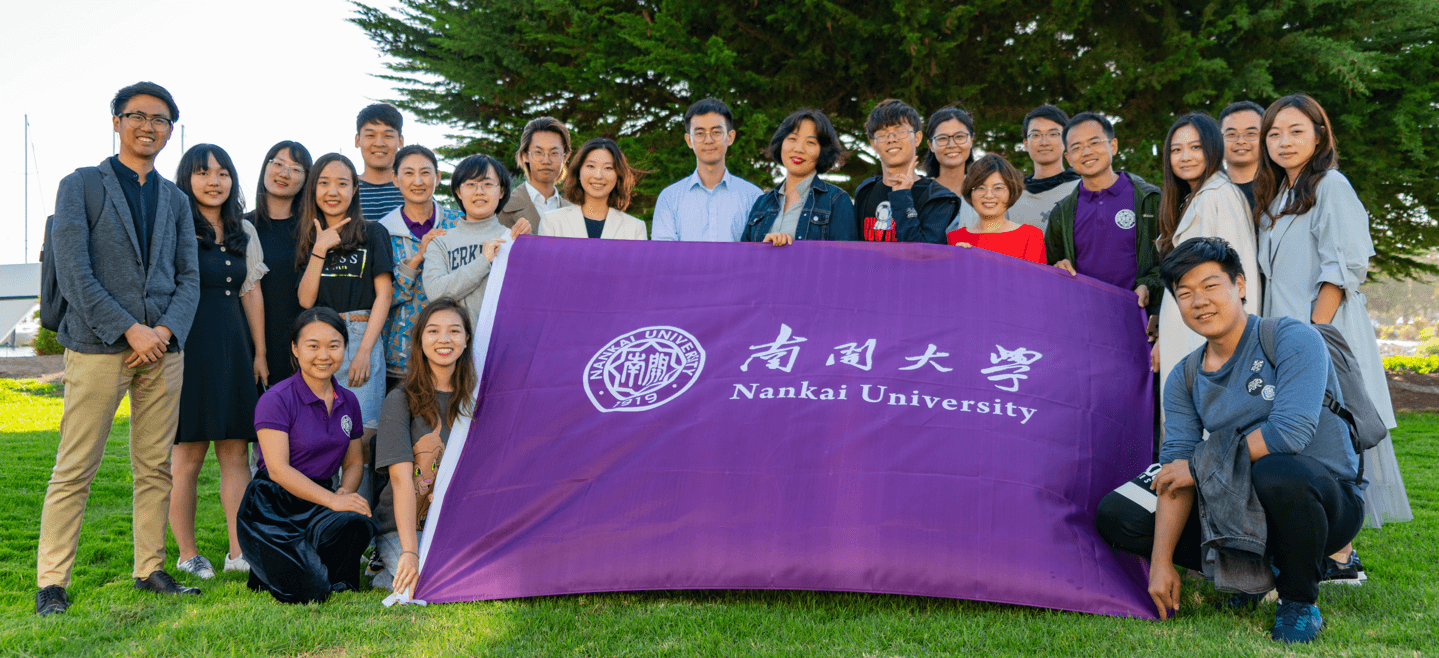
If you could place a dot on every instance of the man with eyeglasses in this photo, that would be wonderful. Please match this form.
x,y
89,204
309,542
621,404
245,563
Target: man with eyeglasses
x,y
1051,181
711,204
1240,125
544,149
126,263
1105,228
898,205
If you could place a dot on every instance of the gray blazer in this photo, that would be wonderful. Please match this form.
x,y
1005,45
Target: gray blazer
x,y
103,277
520,205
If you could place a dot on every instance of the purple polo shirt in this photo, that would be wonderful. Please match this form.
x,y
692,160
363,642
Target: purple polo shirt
x,y
419,229
318,440
1104,233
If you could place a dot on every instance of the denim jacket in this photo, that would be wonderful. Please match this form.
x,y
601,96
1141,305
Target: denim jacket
x,y
828,215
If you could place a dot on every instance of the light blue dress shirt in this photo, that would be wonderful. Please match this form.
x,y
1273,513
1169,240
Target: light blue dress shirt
x,y
687,211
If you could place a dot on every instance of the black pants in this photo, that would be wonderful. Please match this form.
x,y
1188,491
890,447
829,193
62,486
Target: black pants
x,y
1310,514
297,550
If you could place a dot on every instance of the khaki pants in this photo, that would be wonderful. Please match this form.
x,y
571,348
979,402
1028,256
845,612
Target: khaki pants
x,y
94,386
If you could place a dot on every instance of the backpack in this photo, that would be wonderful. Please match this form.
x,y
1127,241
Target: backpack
x,y
1366,428
52,303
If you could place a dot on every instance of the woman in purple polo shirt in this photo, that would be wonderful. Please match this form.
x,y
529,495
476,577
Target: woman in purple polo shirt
x,y
304,541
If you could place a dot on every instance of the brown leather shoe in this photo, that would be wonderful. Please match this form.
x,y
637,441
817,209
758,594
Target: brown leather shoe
x,y
160,582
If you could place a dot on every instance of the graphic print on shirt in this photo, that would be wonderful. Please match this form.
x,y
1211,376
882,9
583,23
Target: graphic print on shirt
x,y
879,227
1124,219
464,255
347,264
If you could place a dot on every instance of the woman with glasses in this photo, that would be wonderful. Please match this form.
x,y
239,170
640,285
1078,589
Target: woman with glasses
x,y
804,207
225,353
1198,201
276,214
951,151
1314,250
412,226
600,182
459,261
991,187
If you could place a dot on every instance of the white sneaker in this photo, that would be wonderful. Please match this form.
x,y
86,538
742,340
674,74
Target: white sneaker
x,y
236,563
198,565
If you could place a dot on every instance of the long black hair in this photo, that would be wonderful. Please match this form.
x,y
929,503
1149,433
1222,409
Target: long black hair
x,y
197,160
301,156
1177,193
352,235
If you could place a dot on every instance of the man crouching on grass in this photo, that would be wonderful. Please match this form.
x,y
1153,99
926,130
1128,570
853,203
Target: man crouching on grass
x,y
1289,490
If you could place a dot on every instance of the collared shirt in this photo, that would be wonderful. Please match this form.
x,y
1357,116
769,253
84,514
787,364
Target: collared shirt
x,y
1104,242
419,229
543,205
688,211
788,220
318,438
142,200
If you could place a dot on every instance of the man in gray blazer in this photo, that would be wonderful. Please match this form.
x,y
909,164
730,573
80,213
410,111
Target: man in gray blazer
x,y
544,148
131,281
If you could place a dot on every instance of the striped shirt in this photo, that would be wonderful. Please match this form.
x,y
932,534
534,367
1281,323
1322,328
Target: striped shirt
x,y
376,201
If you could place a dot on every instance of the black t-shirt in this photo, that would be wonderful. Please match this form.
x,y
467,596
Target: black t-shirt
x,y
279,286
1248,190
595,227
877,220
347,283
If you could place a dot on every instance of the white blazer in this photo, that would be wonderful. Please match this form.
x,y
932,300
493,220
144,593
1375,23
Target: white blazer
x,y
570,223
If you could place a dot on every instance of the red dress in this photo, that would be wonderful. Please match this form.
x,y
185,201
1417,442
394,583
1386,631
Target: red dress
x,y
1025,242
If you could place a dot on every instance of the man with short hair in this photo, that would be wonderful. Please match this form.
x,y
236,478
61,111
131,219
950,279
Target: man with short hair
x,y
130,279
544,149
1279,477
1051,181
1242,144
378,136
1105,228
899,205
711,204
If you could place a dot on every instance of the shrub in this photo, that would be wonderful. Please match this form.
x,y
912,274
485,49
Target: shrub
x,y
1425,333
1422,365
1407,332
1384,331
45,343
1431,347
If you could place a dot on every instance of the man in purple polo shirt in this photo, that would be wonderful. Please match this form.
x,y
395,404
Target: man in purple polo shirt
x,y
1105,228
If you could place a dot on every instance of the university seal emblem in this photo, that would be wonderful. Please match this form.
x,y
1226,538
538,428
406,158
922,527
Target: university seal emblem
x,y
1124,219
643,369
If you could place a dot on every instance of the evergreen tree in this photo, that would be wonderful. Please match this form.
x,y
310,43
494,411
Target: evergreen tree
x,y
627,69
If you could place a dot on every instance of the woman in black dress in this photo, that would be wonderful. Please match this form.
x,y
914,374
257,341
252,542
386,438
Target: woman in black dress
x,y
217,398
277,209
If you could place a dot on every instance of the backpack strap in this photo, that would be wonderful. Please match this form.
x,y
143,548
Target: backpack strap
x,y
1191,369
94,193
1268,328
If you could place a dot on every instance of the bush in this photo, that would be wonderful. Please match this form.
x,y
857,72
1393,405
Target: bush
x,y
1425,333
1407,332
1384,332
1431,347
1422,365
44,341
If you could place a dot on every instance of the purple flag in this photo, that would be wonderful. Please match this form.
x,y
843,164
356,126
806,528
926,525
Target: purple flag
x,y
894,418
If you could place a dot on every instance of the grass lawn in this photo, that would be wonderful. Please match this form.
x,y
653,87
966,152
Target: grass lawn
x,y
1395,614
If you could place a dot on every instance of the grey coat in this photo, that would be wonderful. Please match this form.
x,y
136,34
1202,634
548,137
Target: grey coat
x,y
103,277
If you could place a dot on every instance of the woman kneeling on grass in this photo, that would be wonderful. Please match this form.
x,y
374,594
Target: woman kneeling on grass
x,y
304,541
414,428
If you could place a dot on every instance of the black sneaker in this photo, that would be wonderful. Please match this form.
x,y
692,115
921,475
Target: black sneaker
x,y
1348,573
160,582
51,598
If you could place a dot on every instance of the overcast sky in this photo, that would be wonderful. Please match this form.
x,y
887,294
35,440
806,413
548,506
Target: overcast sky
x,y
245,75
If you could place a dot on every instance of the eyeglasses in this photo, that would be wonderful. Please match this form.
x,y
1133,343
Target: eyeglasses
x,y
1080,147
158,123
487,186
292,170
1250,136
892,136
958,139
1051,136
996,190
715,135
553,155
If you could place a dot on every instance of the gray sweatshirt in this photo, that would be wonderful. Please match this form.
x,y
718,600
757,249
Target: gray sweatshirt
x,y
455,266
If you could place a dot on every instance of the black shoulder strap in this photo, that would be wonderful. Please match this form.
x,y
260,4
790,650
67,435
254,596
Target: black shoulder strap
x,y
1268,328
1191,369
